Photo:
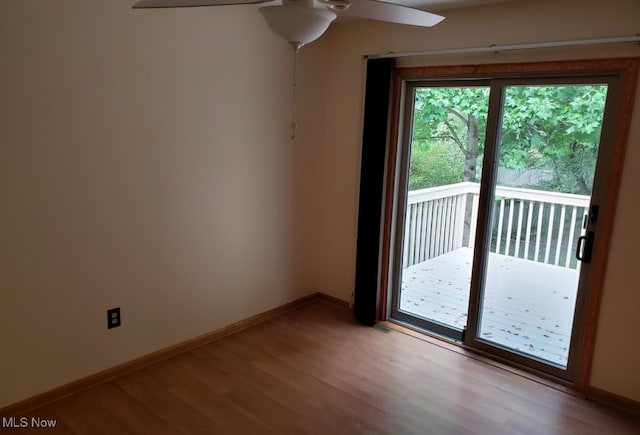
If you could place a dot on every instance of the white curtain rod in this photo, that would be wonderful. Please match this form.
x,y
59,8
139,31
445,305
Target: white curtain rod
x,y
497,48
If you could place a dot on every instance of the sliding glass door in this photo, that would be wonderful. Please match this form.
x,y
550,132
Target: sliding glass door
x,y
441,204
547,149
497,205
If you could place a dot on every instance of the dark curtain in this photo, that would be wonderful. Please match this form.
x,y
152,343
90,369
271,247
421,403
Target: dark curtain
x,y
374,145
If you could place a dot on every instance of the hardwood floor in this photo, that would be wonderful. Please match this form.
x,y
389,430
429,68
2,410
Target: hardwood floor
x,y
314,370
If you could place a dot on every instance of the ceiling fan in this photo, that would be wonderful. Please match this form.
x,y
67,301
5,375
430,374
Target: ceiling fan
x,y
302,21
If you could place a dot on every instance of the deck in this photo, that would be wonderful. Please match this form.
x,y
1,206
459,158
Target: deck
x,y
528,306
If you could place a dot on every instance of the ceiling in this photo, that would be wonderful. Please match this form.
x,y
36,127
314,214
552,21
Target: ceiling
x,y
442,5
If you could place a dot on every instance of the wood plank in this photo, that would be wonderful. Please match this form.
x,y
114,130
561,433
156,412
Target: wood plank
x,y
528,305
315,370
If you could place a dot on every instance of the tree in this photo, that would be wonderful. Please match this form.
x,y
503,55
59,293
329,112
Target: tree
x,y
458,115
555,128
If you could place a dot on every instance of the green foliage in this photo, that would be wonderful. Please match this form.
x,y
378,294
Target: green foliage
x,y
554,128
433,165
443,113
451,122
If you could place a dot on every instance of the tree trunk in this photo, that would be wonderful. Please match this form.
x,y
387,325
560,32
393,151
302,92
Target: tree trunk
x,y
470,161
471,152
583,189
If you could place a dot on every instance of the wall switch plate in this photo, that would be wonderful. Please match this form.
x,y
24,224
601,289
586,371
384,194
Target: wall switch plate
x,y
113,318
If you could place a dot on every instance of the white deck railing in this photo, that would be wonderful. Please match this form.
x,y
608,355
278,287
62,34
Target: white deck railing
x,y
536,225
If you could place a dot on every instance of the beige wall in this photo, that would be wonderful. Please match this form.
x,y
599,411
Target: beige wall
x,y
145,163
329,158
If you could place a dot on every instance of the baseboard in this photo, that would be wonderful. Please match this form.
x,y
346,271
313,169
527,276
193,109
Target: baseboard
x,y
48,397
613,400
340,302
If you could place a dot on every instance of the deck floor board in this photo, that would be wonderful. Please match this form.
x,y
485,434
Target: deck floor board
x,y
528,306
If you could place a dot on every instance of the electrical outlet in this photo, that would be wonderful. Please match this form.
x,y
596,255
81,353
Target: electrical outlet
x,y
113,318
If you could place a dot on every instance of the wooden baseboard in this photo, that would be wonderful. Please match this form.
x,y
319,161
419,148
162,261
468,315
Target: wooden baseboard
x,y
340,302
613,400
40,400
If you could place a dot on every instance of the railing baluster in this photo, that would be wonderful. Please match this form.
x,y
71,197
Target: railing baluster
x,y
439,221
500,220
572,230
414,229
527,238
434,229
409,230
519,229
457,236
424,234
426,230
454,220
539,230
416,234
475,198
549,233
563,212
509,228
416,244
443,225
430,226
461,220
412,238
447,223
416,254
405,247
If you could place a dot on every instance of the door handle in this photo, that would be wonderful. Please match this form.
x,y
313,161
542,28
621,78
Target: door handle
x,y
585,247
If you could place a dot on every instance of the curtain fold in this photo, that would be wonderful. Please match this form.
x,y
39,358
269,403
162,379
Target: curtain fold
x,y
375,135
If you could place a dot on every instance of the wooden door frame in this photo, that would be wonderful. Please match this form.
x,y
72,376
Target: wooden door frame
x,y
627,70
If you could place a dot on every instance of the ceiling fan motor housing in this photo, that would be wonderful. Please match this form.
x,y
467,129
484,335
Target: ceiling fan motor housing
x,y
336,5
297,21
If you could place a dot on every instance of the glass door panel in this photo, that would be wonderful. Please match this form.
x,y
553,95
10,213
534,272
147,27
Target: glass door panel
x,y
443,167
548,148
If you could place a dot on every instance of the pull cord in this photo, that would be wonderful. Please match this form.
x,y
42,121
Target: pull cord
x,y
293,101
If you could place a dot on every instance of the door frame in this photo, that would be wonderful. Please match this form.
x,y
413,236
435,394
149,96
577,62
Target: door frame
x,y
485,213
401,188
627,71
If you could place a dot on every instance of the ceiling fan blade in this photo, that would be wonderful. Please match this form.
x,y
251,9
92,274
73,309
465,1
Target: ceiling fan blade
x,y
143,4
390,12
